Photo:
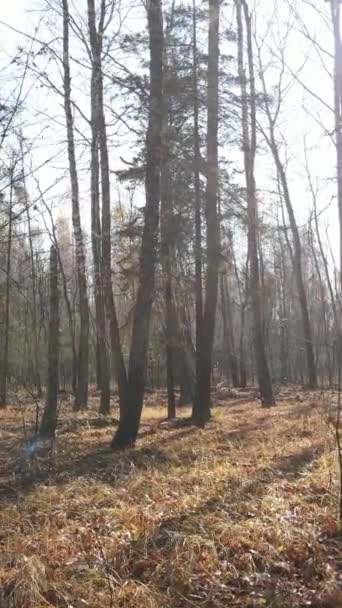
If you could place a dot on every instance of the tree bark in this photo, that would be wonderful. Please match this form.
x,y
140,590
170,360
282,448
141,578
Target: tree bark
x,y
54,239
326,267
249,147
197,206
201,409
243,299
166,262
336,22
81,397
166,228
102,362
186,380
324,311
49,419
36,345
228,335
116,347
296,256
130,417
185,357
4,370
284,342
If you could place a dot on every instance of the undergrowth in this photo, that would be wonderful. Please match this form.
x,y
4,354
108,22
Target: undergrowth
x,y
242,513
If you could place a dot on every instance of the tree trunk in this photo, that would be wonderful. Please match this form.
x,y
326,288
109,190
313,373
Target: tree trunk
x,y
242,353
70,322
197,207
185,358
130,417
36,346
166,227
116,347
284,342
4,370
54,238
243,299
297,267
201,409
49,419
249,146
81,398
336,22
166,261
102,362
326,267
186,380
324,310
296,254
228,335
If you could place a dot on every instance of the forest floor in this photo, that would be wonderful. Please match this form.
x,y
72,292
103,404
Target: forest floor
x,y
242,513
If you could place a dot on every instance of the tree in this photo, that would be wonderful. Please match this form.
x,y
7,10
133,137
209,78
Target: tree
x,y
197,207
81,397
131,413
35,337
102,363
336,23
166,225
49,419
4,363
228,334
60,238
248,110
117,353
201,409
271,139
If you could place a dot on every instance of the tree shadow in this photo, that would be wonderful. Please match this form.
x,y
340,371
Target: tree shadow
x,y
100,464
289,468
231,500
191,522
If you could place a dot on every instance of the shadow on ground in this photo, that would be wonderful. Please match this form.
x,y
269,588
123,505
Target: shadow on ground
x,y
20,474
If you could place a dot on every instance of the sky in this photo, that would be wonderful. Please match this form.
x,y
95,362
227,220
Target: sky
x,y
295,123
45,109
19,14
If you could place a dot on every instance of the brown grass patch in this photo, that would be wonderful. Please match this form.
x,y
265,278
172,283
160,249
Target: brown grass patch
x,y
240,514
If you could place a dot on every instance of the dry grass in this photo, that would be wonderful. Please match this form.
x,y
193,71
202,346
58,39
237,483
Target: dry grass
x,y
240,514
